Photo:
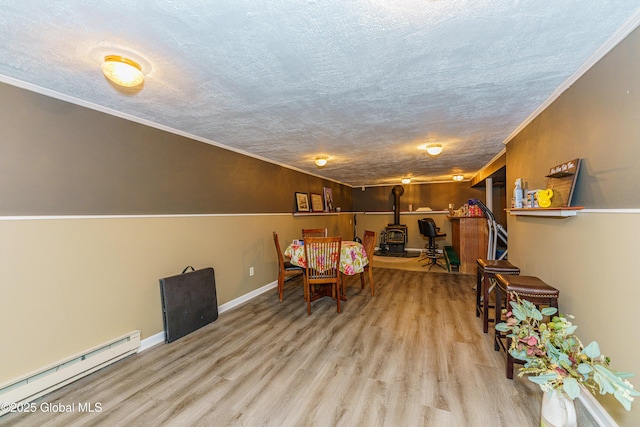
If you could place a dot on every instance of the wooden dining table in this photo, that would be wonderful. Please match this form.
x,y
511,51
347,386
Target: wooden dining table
x,y
353,258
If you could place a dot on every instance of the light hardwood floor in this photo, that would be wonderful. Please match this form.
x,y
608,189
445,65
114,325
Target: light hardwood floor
x,y
413,355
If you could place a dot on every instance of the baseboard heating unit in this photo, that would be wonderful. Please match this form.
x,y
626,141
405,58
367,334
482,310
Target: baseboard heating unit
x,y
50,378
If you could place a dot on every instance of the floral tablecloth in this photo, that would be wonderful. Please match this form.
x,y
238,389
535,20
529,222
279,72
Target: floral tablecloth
x,y
353,257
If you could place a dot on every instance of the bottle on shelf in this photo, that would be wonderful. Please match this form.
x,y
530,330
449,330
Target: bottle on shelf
x,y
517,194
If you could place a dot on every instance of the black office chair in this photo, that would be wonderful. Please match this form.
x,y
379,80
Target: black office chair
x,y
429,230
422,226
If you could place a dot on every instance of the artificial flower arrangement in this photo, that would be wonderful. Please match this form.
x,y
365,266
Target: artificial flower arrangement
x,y
555,357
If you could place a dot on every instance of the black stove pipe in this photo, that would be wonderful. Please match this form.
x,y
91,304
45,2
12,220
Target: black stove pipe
x,y
397,191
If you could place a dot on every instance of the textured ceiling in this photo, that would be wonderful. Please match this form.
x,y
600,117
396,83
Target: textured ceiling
x,y
364,82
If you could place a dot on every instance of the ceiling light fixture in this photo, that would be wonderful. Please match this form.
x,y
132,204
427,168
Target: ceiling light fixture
x,y
434,149
122,71
406,180
458,177
321,161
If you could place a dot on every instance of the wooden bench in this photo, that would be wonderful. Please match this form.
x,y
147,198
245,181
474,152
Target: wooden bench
x,y
453,262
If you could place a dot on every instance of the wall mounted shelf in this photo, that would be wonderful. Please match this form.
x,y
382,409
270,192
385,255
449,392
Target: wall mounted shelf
x,y
562,180
423,213
559,212
317,213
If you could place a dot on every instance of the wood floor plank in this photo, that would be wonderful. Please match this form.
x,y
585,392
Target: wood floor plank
x,y
412,355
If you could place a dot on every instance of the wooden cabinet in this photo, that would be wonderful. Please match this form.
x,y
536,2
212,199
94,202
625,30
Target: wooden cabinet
x,y
469,240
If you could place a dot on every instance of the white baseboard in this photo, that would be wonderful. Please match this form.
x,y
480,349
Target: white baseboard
x,y
147,343
246,297
158,338
595,409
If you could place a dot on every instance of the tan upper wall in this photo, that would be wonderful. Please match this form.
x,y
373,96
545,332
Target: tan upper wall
x,y
596,119
436,196
65,159
590,258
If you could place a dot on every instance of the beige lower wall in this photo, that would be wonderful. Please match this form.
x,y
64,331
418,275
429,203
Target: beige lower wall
x,y
377,221
70,284
591,259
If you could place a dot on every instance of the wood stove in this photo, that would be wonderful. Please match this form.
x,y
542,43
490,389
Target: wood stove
x,y
393,237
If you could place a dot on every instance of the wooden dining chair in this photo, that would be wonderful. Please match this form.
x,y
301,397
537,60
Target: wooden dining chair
x,y
285,268
322,256
314,232
369,243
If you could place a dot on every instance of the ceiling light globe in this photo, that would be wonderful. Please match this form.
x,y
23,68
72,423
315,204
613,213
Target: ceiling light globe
x,y
321,162
122,71
458,177
406,180
434,149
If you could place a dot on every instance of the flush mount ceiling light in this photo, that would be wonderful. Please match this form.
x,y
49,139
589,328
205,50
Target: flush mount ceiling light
x,y
434,149
122,71
406,180
321,161
458,177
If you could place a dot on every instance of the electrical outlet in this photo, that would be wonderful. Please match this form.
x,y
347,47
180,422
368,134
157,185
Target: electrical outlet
x,y
251,271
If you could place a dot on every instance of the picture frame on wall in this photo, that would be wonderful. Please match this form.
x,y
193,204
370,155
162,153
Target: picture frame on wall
x,y
328,199
316,202
302,202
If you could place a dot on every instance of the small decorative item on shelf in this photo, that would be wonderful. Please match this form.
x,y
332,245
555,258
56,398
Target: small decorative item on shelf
x,y
531,199
328,199
518,196
562,180
556,359
566,169
316,202
302,202
544,197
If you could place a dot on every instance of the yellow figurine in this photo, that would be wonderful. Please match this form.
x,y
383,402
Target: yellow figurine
x,y
544,197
